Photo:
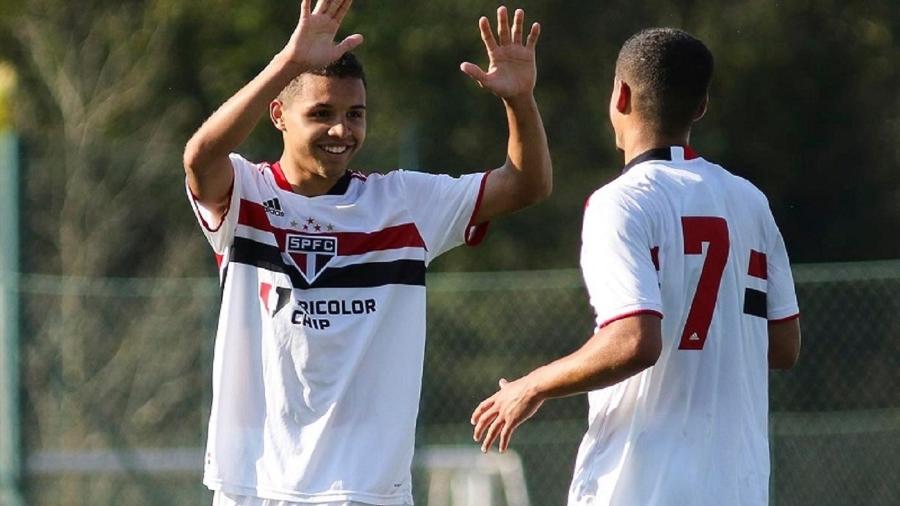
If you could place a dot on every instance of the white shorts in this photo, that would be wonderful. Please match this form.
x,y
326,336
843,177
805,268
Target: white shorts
x,y
223,499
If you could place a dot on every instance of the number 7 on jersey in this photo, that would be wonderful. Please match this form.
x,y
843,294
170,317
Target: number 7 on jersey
x,y
697,230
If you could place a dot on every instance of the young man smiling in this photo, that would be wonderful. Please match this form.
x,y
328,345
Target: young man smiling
x,y
318,356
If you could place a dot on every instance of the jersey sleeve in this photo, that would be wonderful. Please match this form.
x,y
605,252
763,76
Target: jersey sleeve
x,y
442,208
781,296
616,259
220,233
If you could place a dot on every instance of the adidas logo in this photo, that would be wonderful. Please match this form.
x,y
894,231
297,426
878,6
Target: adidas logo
x,y
273,207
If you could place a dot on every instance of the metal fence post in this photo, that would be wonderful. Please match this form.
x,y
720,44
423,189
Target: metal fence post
x,y
10,454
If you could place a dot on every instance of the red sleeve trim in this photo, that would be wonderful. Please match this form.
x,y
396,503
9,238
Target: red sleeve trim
x,y
785,319
196,203
475,232
630,314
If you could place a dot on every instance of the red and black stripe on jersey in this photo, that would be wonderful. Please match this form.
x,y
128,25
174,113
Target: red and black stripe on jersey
x,y
369,274
755,303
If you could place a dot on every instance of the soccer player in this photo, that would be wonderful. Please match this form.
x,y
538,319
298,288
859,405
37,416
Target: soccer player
x,y
319,351
689,278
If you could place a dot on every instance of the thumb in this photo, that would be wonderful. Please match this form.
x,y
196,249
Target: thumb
x,y
503,382
473,71
349,43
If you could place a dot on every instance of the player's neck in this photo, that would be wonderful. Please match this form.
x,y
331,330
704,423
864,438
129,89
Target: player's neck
x,y
307,182
642,141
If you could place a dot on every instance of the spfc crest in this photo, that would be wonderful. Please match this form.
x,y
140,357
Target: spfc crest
x,y
311,253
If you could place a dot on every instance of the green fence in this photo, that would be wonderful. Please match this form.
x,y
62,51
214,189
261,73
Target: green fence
x,y
115,377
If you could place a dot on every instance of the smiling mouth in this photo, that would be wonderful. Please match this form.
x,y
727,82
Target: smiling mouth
x,y
336,149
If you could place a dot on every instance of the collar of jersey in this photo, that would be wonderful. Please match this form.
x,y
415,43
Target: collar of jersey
x,y
339,188
669,154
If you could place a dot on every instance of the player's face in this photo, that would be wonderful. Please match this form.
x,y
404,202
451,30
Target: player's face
x,y
325,123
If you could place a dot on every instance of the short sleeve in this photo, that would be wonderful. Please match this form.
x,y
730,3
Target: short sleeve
x,y
781,296
616,259
220,233
442,208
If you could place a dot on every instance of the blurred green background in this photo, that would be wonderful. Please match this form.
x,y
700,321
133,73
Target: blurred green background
x,y
117,302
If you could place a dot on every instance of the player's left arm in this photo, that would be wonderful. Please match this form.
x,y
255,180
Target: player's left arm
x,y
781,300
526,178
616,352
784,343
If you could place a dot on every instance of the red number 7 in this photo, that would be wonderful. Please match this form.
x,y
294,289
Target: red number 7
x,y
697,230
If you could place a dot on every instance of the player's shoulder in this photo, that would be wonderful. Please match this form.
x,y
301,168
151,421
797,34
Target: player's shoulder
x,y
626,189
377,180
702,171
621,197
387,176
394,183
242,164
253,177
741,187
247,169
414,180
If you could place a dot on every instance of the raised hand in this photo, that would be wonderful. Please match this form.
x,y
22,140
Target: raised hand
x,y
312,44
500,414
512,70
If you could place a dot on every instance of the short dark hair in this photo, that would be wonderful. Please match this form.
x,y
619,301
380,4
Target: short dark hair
x,y
347,66
669,72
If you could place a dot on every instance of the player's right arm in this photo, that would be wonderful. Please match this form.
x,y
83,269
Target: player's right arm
x,y
623,286
311,46
616,352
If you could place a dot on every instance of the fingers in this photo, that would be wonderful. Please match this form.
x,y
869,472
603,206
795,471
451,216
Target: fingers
x,y
342,10
482,424
533,36
349,43
474,71
518,21
484,26
505,436
489,425
503,25
484,406
504,36
304,8
492,434
481,417
331,8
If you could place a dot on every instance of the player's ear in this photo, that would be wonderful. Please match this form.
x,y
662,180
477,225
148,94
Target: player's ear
x,y
276,114
701,109
623,97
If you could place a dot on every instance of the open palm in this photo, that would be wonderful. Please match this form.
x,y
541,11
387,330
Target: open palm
x,y
512,70
312,43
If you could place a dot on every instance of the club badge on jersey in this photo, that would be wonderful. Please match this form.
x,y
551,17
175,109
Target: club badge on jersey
x,y
311,253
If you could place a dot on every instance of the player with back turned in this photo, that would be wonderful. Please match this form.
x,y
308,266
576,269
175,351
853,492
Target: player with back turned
x,y
319,352
694,300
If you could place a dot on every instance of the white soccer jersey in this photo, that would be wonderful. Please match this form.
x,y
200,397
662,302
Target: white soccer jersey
x,y
683,238
319,350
